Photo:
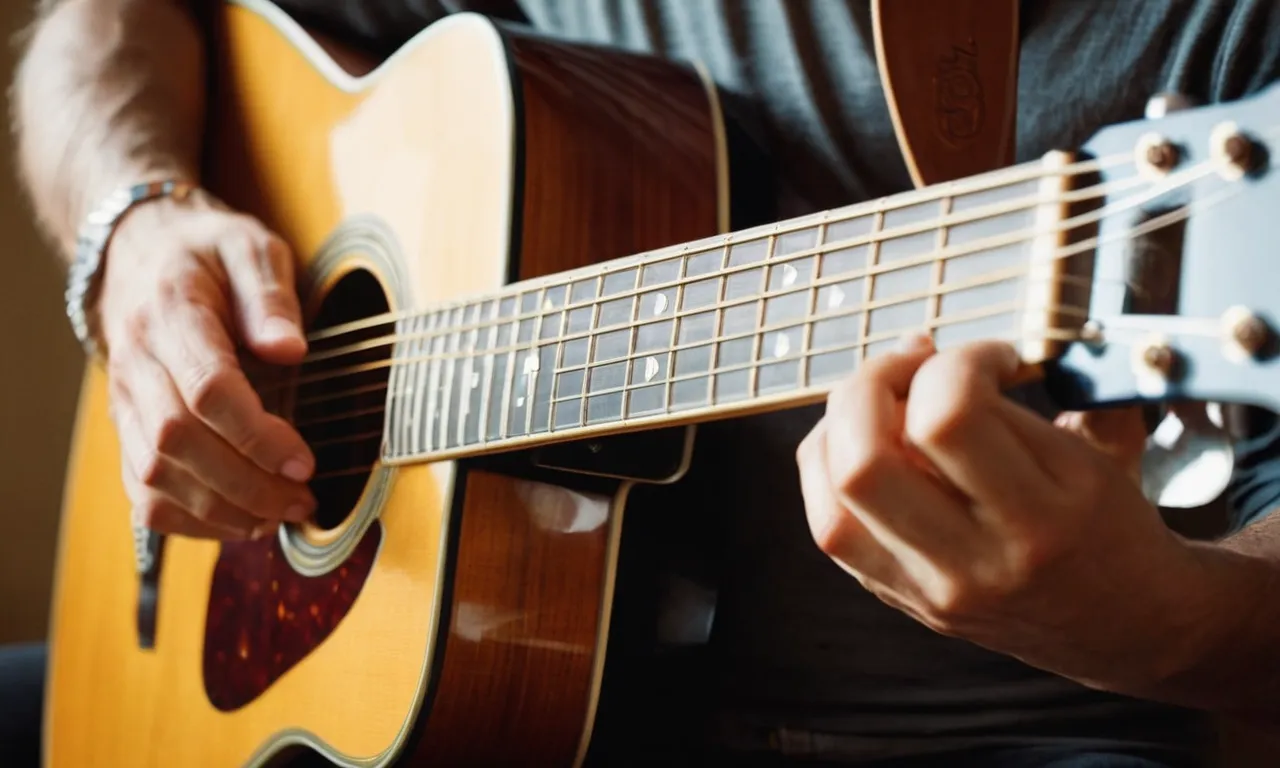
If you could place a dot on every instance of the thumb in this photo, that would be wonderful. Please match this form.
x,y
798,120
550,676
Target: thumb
x,y
1118,432
265,299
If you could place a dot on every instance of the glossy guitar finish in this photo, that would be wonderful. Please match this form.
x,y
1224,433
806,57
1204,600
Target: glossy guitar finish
x,y
477,596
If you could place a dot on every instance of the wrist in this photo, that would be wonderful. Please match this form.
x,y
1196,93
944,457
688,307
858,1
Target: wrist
x,y
1212,651
93,242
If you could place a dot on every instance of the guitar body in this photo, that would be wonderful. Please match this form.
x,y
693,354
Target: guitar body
x,y
447,613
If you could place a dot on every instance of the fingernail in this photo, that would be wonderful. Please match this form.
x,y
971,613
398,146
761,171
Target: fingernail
x,y
277,328
297,470
915,342
298,513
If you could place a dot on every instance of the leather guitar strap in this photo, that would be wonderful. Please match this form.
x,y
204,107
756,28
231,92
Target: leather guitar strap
x,y
949,69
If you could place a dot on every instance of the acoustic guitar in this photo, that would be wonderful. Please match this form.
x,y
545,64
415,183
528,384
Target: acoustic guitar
x,y
531,272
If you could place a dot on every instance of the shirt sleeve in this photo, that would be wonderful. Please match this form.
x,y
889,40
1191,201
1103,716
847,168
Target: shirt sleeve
x,y
1254,491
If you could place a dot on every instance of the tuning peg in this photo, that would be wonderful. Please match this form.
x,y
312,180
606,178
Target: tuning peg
x,y
1189,457
1165,103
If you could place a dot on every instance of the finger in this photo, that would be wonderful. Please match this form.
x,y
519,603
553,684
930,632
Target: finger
x,y
959,418
1118,432
193,346
260,269
879,479
153,511
197,500
172,432
837,533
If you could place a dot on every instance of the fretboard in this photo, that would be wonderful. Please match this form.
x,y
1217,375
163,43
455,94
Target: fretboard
x,y
770,317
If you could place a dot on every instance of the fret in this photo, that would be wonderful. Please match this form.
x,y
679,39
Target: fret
x,y
570,382
869,282
810,307
420,327
525,368
753,387
448,411
544,380
427,396
679,397
650,398
939,267
504,370
396,393
489,338
569,399
435,376
973,266
473,401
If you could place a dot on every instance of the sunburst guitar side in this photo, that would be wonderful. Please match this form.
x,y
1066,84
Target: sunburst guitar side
x,y
448,613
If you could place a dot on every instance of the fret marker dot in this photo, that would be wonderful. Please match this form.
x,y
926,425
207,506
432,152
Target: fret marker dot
x,y
836,297
530,365
650,368
789,275
659,303
781,345
475,379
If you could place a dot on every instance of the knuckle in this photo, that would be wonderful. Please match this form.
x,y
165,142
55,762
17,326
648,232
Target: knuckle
x,y
203,506
1024,558
206,386
180,287
950,599
806,452
246,490
136,325
151,470
861,474
829,534
940,421
153,512
172,433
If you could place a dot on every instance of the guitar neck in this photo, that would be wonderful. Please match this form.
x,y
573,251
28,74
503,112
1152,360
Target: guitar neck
x,y
761,319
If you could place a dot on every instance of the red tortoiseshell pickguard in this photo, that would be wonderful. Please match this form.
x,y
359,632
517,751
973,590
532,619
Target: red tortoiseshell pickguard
x,y
264,617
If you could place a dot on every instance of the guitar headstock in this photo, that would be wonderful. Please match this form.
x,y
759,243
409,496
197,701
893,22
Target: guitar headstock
x,y
1185,303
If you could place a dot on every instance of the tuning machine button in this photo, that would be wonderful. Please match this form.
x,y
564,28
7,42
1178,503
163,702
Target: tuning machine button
x,y
1234,153
1155,358
1163,104
1246,335
1155,155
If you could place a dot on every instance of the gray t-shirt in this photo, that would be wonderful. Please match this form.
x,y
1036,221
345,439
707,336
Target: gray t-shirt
x,y
803,660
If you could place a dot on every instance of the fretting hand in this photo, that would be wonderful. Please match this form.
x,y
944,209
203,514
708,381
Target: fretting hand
x,y
970,513
201,457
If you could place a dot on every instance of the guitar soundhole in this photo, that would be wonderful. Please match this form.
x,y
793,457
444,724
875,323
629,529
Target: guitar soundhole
x,y
339,402
264,617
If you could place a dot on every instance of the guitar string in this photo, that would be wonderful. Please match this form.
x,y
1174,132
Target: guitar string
x,y
580,431
1010,177
720,338
950,222
1150,225
1018,236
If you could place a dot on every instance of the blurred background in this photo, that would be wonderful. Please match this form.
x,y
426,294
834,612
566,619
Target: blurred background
x,y
39,379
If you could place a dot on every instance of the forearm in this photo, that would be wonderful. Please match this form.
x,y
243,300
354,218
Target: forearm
x,y
109,92
1232,664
